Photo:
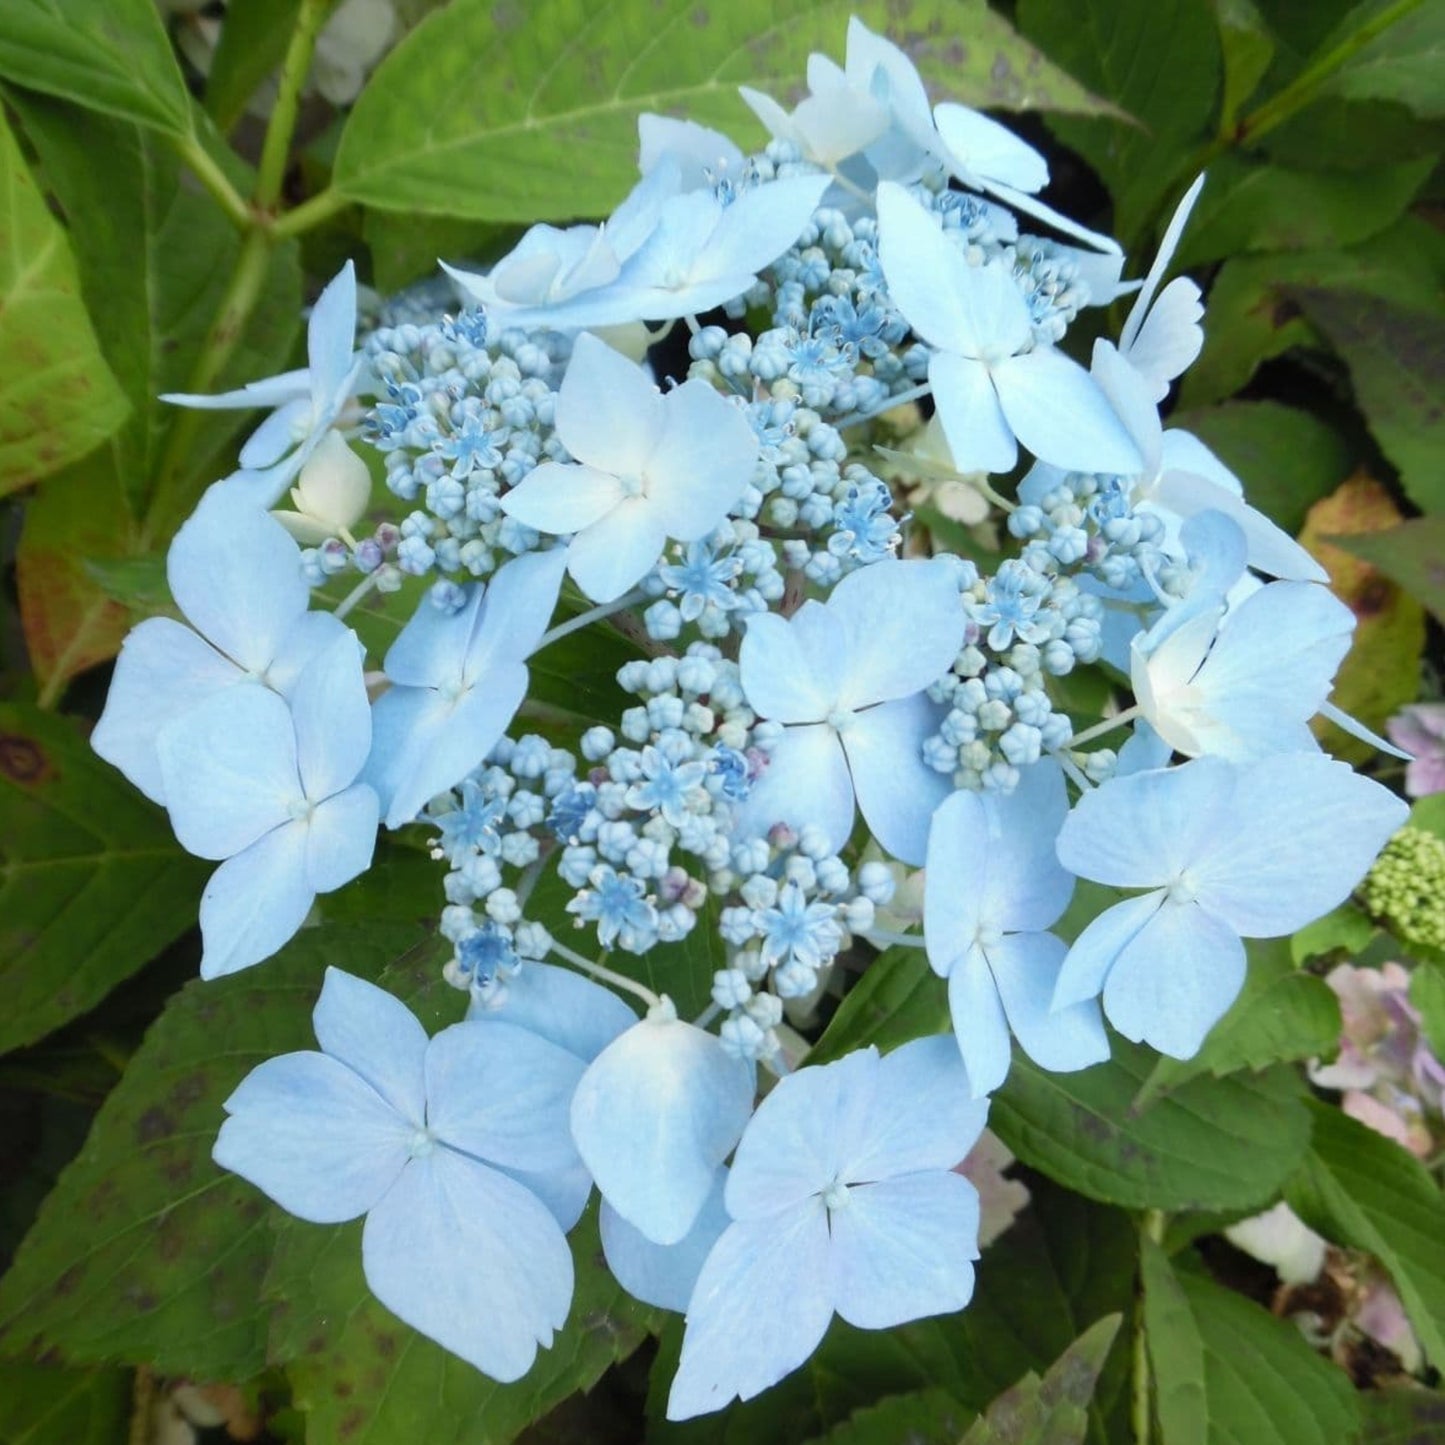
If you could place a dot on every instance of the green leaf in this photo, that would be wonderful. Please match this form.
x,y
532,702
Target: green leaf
x,y
1396,359
920,1417
1412,554
540,116
40,1405
1403,1415
1211,1144
1287,458
363,1377
58,398
1246,49
1427,993
1253,317
1344,929
1280,1015
1404,63
1158,60
1332,133
92,885
167,1269
898,998
1358,1188
1054,1410
107,55
1246,206
252,45
1227,1372
154,276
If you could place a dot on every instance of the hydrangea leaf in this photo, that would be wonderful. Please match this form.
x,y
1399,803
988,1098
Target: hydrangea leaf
x,y
1402,63
58,398
1251,207
1226,1370
919,1415
1359,1189
92,884
1427,993
1246,48
1381,671
41,1404
898,998
167,1272
1402,1415
1282,1014
1053,1410
1100,42
251,45
363,1377
1411,554
1211,1144
108,55
154,277
1396,357
579,75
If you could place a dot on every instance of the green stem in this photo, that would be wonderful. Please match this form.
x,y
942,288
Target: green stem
x,y
168,502
1106,726
1151,1227
215,180
276,148
312,212
1303,89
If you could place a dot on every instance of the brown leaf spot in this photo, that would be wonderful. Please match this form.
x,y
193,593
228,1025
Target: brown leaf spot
x,y
154,1124
23,760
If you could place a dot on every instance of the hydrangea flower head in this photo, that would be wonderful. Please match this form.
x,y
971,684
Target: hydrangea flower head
x,y
649,466
307,403
273,791
458,678
1227,851
992,888
426,1138
236,578
1420,730
843,1200
994,387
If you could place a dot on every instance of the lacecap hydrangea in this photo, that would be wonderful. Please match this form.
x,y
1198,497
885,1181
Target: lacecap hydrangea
x,y
685,427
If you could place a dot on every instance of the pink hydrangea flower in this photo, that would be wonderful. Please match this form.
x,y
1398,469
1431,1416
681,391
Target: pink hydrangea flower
x,y
1420,729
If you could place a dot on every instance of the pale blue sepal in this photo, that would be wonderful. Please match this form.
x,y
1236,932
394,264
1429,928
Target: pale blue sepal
x,y
897,791
1168,243
1039,211
655,1114
1302,831
1172,982
1086,966
332,718
796,1142
565,1192
903,1249
500,1093
229,766
471,1259
262,451
270,391
792,668
616,553
760,1307
374,1034
235,573
520,600
920,1115
978,432
1025,968
663,1274
1357,729
341,837
163,671
979,1023
1057,410
307,638
431,650
314,1136
1145,752
560,1005
255,902
902,626
806,780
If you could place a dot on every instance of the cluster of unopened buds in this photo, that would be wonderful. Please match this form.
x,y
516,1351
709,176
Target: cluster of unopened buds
x,y
794,671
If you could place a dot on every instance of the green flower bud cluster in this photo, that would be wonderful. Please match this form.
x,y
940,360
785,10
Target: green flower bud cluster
x,y
1406,888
